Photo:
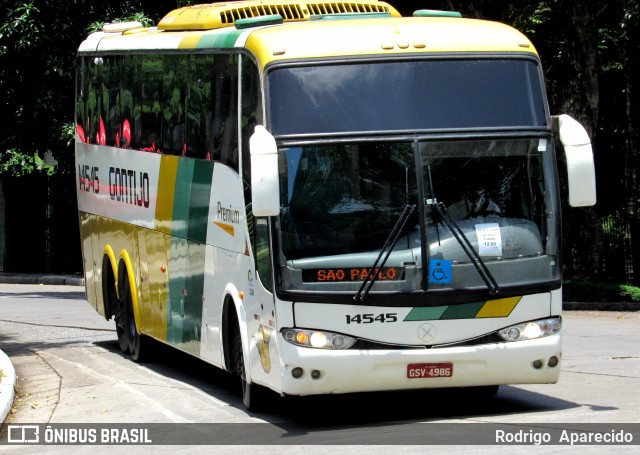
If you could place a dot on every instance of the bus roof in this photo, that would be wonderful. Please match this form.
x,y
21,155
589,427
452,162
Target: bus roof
x,y
293,33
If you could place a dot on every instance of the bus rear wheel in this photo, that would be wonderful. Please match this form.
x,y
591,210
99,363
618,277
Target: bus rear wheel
x,y
114,306
135,341
123,341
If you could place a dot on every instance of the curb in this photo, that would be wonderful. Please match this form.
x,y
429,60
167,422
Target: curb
x,y
58,280
7,386
601,306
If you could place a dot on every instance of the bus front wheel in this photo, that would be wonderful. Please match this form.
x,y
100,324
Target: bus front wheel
x,y
253,396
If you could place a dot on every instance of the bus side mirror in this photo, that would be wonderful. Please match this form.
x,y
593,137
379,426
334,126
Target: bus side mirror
x,y
265,185
581,174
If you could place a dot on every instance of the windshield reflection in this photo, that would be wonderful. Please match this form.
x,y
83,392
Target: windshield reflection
x,y
344,198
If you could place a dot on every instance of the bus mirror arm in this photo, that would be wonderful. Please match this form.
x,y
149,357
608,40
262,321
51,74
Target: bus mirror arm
x,y
265,185
578,152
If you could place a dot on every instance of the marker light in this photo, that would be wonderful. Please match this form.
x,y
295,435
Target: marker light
x,y
301,337
531,330
318,339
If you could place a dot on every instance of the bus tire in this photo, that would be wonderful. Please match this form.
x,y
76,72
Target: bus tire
x,y
113,307
253,396
123,340
135,341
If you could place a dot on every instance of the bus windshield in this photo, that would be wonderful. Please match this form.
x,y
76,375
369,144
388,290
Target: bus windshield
x,y
405,96
488,201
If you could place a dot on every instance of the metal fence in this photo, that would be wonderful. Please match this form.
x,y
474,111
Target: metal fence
x,y
619,254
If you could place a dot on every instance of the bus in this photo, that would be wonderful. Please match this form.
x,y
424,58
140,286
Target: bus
x,y
326,197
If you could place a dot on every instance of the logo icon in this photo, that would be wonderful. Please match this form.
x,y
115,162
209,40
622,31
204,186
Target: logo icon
x,y
23,434
427,332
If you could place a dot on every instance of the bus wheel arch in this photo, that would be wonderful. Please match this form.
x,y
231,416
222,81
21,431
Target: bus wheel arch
x,y
110,294
236,354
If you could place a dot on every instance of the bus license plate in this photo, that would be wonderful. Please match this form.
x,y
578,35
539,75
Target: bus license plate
x,y
429,370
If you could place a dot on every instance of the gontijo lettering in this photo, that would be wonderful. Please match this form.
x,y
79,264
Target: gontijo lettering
x,y
129,186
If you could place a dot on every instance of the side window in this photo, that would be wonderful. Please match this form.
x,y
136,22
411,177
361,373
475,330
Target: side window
x,y
93,104
251,103
149,109
174,104
251,115
225,110
86,101
263,253
125,121
199,107
175,74
110,85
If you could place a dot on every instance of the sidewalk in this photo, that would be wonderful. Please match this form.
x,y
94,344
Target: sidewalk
x,y
7,371
7,383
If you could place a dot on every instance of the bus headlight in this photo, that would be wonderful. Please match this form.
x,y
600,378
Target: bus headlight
x,y
318,339
531,330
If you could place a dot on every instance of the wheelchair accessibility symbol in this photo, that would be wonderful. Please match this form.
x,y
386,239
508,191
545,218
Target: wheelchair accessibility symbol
x,y
440,271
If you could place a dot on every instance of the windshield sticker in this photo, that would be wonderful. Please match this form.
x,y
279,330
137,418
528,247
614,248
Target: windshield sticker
x,y
440,271
542,145
489,240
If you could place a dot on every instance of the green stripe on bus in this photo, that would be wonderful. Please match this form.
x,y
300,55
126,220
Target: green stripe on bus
x,y
194,299
425,313
217,40
464,311
181,198
460,311
199,201
186,291
178,267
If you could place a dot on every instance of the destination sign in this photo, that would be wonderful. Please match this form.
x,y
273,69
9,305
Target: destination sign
x,y
349,274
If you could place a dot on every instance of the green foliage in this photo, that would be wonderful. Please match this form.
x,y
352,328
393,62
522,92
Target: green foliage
x,y
530,17
18,163
141,17
68,133
19,23
590,291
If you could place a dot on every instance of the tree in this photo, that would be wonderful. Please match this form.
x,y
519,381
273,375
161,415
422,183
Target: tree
x,y
38,44
588,51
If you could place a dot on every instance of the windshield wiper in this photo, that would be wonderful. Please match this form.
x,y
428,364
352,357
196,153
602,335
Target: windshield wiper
x,y
464,242
388,246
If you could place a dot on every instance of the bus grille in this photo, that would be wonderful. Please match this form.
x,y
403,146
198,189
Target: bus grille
x,y
289,12
317,9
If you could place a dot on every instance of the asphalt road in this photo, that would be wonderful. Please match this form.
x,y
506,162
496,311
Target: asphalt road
x,y
70,370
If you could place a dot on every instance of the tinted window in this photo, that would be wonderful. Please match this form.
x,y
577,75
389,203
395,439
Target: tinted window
x,y
406,96
172,104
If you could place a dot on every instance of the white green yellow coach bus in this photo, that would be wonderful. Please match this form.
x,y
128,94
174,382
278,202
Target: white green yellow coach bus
x,y
326,197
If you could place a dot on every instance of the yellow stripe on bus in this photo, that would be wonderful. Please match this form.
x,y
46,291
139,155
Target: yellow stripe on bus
x,y
498,307
166,193
190,41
